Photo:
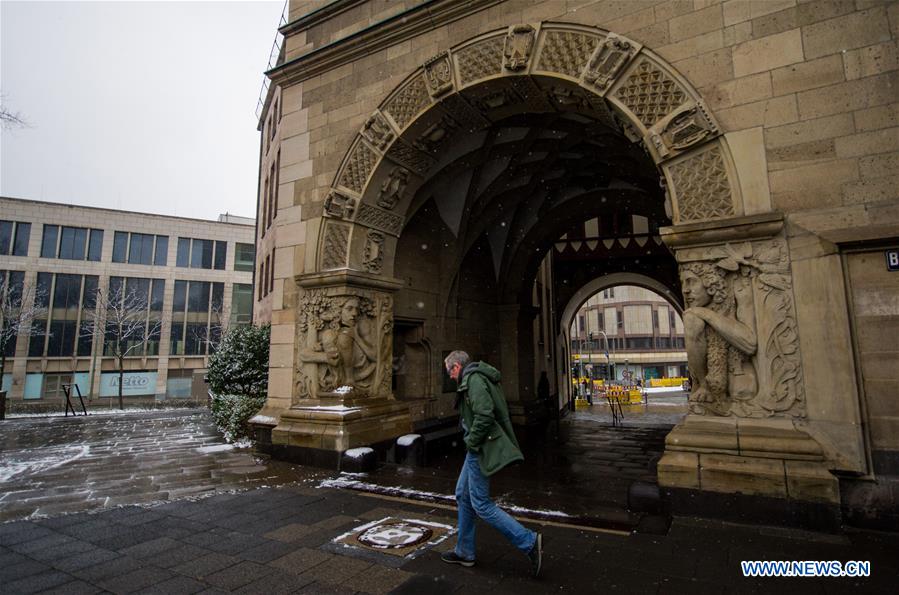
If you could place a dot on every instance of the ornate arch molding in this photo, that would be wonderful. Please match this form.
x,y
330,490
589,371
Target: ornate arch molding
x,y
365,209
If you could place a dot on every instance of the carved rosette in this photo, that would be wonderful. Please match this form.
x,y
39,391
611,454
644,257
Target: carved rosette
x,y
439,75
748,346
517,47
344,339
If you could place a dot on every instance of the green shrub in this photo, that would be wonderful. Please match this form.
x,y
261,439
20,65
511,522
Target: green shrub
x,y
238,379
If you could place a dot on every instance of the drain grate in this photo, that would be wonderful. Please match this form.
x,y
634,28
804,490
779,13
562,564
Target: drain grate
x,y
405,538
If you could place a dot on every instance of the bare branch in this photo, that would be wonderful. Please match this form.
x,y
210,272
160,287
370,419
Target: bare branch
x,y
9,120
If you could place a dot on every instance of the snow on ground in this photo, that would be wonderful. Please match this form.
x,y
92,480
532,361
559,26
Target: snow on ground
x,y
263,419
17,462
662,389
347,481
100,410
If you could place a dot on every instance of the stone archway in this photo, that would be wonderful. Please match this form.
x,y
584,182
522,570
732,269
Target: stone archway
x,y
724,236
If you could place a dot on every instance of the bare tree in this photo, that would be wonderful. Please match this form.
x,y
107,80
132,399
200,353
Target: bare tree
x,y
18,310
10,119
124,325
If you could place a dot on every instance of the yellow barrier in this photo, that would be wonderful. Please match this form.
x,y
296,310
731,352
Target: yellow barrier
x,y
657,382
625,395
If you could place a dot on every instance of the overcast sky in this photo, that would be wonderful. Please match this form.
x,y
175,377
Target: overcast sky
x,y
141,106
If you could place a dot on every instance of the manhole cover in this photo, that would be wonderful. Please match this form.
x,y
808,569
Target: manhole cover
x,y
394,537
390,536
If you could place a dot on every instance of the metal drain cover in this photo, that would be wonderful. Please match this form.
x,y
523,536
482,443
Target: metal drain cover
x,y
394,535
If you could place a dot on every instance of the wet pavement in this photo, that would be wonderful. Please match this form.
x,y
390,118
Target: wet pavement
x,y
52,465
165,507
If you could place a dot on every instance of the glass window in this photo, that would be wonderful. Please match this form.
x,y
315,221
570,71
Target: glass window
x,y
180,299
71,245
140,250
201,254
241,304
23,236
271,273
198,296
218,297
96,245
157,294
5,236
119,246
162,251
183,252
177,339
244,257
221,252
48,241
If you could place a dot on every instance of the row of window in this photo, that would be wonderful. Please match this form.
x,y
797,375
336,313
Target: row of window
x,y
79,243
67,323
618,319
626,344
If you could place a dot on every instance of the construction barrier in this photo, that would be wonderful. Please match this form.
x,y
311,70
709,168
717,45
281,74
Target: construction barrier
x,y
657,382
624,394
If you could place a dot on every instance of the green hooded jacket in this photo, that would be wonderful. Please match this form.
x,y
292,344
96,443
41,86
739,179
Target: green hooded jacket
x,y
485,416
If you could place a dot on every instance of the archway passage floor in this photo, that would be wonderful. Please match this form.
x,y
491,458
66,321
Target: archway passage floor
x,y
579,472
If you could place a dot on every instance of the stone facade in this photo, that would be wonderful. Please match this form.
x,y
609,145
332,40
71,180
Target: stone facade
x,y
771,125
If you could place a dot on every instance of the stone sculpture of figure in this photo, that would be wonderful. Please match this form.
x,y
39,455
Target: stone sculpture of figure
x,y
345,355
719,325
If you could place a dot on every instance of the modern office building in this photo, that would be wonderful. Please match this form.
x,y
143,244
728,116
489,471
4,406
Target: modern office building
x,y
183,280
633,330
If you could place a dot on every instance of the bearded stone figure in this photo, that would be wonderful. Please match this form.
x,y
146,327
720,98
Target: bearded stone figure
x,y
344,352
720,331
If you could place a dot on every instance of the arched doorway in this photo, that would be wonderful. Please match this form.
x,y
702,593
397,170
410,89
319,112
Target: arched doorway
x,y
434,163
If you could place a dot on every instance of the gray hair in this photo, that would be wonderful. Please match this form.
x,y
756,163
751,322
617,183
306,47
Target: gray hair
x,y
457,357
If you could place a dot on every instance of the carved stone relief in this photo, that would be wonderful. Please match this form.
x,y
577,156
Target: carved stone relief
x,y
359,166
435,135
408,102
741,332
480,60
341,343
339,205
681,131
439,74
607,62
334,245
467,117
650,94
373,254
378,132
517,47
371,216
702,188
393,188
566,52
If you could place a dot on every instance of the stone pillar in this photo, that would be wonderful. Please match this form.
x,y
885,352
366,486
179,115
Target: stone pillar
x,y
342,395
750,427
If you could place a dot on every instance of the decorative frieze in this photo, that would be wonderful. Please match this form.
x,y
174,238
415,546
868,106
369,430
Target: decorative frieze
x,y
339,205
650,94
358,167
686,128
371,216
409,157
480,60
702,187
378,132
334,245
566,52
408,102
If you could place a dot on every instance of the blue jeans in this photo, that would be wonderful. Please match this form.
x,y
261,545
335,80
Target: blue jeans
x,y
473,500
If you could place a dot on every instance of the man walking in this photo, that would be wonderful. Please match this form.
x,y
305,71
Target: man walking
x,y
490,445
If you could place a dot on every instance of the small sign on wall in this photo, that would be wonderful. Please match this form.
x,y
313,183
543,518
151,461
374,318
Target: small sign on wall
x,y
892,259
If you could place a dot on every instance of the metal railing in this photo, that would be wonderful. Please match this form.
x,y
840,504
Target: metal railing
x,y
272,61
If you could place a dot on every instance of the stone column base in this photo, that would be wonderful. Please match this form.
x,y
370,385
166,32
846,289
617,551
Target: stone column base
x,y
337,423
766,459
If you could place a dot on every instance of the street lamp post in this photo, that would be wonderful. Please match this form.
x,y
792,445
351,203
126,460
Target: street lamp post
x,y
605,339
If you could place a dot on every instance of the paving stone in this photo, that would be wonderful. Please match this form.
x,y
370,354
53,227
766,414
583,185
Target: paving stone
x,y
79,560
135,580
266,552
36,583
275,581
177,585
76,587
290,533
237,576
15,566
337,569
205,565
115,567
433,585
325,589
178,554
301,560
378,580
